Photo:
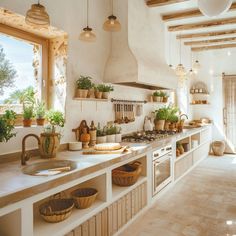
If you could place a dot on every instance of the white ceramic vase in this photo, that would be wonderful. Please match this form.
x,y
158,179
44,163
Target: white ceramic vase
x,y
118,138
111,138
102,139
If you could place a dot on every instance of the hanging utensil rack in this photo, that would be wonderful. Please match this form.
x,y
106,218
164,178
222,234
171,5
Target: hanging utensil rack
x,y
128,101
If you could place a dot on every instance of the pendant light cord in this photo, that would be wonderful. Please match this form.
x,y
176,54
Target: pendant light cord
x,y
87,12
112,7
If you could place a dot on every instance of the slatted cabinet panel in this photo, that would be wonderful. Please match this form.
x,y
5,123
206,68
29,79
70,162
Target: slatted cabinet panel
x,y
115,216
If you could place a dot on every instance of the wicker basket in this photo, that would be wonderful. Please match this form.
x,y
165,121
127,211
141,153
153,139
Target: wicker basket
x,y
127,175
218,148
56,210
84,197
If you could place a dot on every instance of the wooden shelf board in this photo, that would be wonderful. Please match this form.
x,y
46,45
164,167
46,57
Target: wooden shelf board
x,y
77,217
118,191
193,104
206,94
91,99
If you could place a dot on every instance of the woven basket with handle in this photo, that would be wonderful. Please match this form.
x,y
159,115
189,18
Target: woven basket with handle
x,y
56,209
127,175
84,197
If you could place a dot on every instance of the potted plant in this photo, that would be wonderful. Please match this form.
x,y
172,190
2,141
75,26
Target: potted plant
x,y
28,114
50,139
101,135
161,116
40,113
173,117
156,96
111,134
165,97
162,95
7,121
98,91
83,85
118,138
105,89
91,91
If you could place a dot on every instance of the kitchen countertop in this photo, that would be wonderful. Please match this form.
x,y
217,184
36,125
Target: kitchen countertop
x,y
16,186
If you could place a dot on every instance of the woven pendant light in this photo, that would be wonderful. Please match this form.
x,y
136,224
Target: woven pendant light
x,y
87,34
37,16
112,24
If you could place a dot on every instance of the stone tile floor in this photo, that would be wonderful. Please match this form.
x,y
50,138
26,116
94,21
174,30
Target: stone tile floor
x,y
203,203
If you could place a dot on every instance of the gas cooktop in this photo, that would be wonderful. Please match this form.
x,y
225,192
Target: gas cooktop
x,y
146,136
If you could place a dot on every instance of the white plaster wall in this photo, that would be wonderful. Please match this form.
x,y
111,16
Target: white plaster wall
x,y
83,58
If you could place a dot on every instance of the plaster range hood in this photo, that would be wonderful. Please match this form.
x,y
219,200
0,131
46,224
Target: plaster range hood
x,y
137,56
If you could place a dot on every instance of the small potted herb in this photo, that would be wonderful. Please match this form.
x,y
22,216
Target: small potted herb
x,y
50,139
105,89
7,121
101,135
118,134
28,114
156,96
83,85
161,117
98,91
111,134
165,97
40,113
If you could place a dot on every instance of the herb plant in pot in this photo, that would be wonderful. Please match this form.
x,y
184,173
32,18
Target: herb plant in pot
x,y
83,85
165,97
28,114
161,117
101,135
50,139
156,96
106,89
173,117
7,121
98,91
111,134
40,113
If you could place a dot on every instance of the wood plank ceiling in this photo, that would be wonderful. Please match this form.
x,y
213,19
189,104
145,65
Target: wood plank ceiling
x,y
183,18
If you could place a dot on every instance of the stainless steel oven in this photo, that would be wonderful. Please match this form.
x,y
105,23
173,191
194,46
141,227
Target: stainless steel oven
x,y
162,170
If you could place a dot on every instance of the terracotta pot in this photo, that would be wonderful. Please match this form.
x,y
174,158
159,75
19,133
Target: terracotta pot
x,y
172,126
111,138
165,99
159,99
159,124
91,93
40,122
105,95
102,139
27,122
81,93
155,99
167,125
98,94
49,145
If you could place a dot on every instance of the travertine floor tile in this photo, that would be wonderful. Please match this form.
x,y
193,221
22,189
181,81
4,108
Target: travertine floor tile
x,y
203,203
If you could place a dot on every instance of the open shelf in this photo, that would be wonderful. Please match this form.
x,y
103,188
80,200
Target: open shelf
x,y
118,191
199,104
91,99
77,217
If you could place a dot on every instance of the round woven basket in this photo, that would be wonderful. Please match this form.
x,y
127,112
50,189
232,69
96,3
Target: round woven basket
x,y
84,197
218,148
56,210
127,175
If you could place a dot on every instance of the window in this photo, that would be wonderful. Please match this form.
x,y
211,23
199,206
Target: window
x,y
23,68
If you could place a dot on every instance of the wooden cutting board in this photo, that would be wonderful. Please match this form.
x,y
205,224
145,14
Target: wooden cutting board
x,y
95,152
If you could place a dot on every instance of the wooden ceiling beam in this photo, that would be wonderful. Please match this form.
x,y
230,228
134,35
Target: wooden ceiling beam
x,y
211,41
188,14
207,34
204,24
158,3
213,47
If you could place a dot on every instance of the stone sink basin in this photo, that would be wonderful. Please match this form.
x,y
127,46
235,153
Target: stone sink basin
x,y
49,168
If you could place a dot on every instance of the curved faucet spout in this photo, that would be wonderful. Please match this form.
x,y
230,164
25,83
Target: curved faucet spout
x,y
183,115
24,156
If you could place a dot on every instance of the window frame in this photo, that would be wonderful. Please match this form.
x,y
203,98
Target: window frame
x,y
32,38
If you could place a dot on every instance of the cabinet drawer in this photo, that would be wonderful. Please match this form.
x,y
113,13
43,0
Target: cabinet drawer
x,y
201,152
183,165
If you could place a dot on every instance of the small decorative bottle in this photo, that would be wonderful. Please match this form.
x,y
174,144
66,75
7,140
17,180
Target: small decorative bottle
x,y
85,138
93,134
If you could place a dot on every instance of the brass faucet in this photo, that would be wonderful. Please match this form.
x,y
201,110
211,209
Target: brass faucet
x,y
183,115
24,155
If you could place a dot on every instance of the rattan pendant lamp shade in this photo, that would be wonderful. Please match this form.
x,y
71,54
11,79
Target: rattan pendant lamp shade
x,y
87,34
112,24
37,16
